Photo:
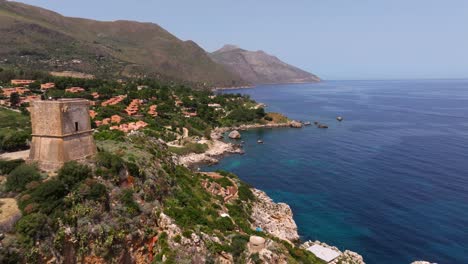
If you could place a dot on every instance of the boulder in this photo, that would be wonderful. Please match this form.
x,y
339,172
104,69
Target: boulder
x,y
296,124
235,134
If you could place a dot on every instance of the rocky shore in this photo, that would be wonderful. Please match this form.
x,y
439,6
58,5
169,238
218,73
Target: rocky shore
x,y
273,218
218,148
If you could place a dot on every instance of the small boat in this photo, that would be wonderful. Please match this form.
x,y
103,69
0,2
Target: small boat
x,y
322,126
306,123
316,123
339,118
260,141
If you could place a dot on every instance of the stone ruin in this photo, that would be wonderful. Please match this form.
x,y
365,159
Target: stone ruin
x,y
61,132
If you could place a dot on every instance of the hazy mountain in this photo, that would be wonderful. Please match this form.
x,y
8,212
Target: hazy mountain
x,y
259,67
35,37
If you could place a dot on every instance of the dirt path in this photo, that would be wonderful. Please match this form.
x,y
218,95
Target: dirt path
x,y
24,154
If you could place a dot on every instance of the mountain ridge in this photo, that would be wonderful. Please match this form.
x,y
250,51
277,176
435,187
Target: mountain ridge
x,y
259,67
35,37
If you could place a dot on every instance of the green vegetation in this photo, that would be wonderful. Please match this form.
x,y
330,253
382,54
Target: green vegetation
x,y
189,148
22,175
6,166
15,130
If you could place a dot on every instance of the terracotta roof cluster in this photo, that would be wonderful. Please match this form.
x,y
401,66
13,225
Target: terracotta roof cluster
x,y
113,100
133,126
47,86
75,90
22,82
30,98
152,110
19,90
115,119
132,109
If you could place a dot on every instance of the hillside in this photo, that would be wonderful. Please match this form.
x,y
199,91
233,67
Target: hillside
x,y
33,37
259,67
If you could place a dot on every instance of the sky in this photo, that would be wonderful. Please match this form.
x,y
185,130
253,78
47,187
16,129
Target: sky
x,y
335,39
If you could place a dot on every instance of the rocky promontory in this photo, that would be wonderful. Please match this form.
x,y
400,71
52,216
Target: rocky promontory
x,y
274,218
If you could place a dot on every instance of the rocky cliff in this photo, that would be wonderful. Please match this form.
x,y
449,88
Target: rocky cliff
x,y
274,218
258,67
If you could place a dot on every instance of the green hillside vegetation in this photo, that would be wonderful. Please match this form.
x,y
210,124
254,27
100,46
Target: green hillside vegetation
x,y
36,38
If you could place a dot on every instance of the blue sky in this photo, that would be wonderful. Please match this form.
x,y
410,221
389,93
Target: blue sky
x,y
335,39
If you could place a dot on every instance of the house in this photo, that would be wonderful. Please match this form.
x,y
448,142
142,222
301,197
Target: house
x,y
92,114
75,90
214,105
47,86
21,82
132,109
141,87
19,90
113,100
133,126
95,95
30,98
116,119
179,103
190,114
152,110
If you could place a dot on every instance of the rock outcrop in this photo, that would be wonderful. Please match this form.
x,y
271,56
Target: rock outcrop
x,y
235,135
274,218
346,257
296,124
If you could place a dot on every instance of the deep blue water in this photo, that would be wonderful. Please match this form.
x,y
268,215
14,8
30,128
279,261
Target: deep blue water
x,y
390,181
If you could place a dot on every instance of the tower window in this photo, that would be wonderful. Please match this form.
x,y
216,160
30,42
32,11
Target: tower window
x,y
76,126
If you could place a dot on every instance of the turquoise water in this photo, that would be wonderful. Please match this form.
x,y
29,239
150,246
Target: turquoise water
x,y
390,181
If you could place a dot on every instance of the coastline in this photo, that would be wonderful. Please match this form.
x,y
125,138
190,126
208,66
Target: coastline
x,y
274,218
217,148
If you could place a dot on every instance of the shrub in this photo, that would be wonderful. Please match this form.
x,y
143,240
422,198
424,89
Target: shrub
x,y
30,227
21,176
48,196
97,192
126,198
6,166
14,141
238,245
73,173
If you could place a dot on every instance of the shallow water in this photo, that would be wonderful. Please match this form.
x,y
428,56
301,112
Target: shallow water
x,y
389,182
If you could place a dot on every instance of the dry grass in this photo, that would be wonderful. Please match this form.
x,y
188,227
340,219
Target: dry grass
x,y
9,214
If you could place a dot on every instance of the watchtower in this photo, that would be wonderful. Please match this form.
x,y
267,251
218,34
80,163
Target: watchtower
x,y
61,132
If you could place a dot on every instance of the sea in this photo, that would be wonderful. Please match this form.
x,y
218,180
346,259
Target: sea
x,y
390,181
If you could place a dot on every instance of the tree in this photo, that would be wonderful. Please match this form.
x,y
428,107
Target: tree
x,y
15,99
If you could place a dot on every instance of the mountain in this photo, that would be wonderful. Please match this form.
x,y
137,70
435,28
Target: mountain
x,y
258,67
38,38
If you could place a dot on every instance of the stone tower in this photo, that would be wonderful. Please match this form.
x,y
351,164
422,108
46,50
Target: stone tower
x,y
61,132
